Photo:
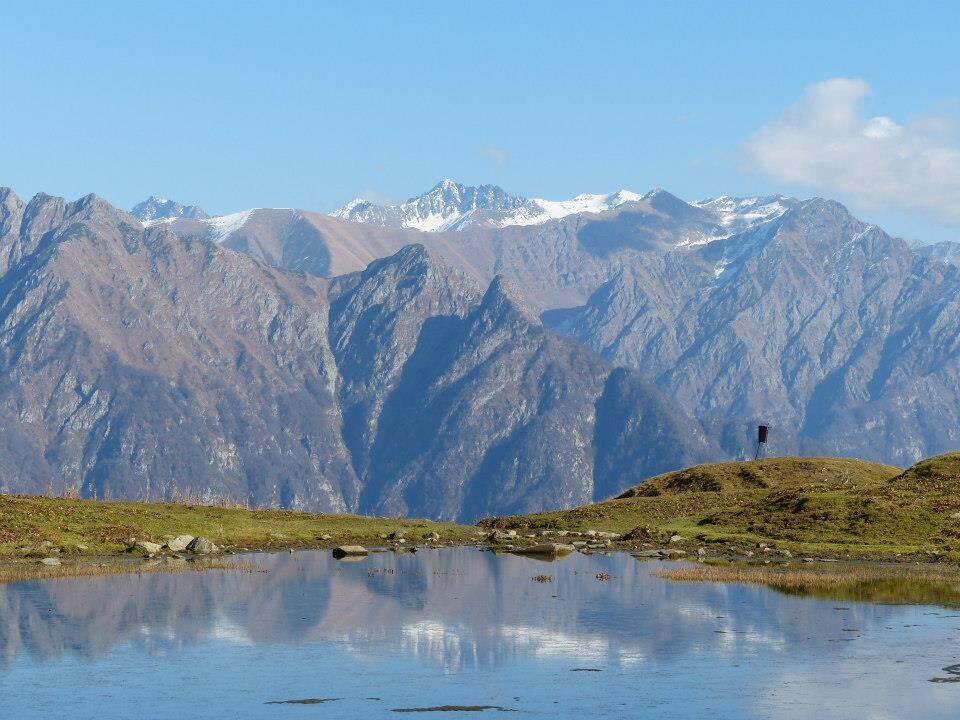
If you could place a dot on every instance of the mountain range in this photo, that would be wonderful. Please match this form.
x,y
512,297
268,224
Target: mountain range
x,y
742,310
289,358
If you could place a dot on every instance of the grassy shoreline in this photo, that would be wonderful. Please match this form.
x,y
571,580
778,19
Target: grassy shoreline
x,y
29,525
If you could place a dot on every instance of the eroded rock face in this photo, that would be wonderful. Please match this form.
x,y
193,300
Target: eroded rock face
x,y
146,364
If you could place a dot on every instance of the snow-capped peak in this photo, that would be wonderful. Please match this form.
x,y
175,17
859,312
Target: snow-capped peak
x,y
159,209
449,205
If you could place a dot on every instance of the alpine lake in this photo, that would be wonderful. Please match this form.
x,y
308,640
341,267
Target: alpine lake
x,y
456,632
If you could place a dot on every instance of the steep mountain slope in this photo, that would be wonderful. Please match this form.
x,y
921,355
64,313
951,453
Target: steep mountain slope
x,y
148,364
140,364
484,408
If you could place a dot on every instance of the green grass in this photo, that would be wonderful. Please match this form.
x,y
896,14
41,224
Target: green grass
x,y
815,506
858,582
104,527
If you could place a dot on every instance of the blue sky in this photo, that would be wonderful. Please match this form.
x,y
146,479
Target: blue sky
x,y
235,105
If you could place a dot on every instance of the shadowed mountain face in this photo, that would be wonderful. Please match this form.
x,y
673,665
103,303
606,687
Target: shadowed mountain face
x,y
769,310
145,364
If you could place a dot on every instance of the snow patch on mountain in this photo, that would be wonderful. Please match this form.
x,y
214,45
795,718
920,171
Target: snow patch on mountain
x,y
738,214
222,226
546,210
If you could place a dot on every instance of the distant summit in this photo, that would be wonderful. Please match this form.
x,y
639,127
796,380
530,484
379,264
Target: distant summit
x,y
450,205
156,209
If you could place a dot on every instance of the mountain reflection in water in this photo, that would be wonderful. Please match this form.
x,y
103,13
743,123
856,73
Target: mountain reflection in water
x,y
482,624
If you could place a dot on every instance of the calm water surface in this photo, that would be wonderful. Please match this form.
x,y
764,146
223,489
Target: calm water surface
x,y
461,627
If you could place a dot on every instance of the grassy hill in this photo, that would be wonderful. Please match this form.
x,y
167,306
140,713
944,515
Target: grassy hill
x,y
823,506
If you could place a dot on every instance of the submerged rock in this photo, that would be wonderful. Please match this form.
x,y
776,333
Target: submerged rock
x,y
648,554
349,550
551,549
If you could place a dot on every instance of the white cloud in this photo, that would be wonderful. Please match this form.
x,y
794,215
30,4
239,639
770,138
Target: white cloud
x,y
495,155
825,142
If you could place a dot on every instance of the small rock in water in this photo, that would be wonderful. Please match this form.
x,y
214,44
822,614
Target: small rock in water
x,y
202,546
648,554
349,550
551,549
